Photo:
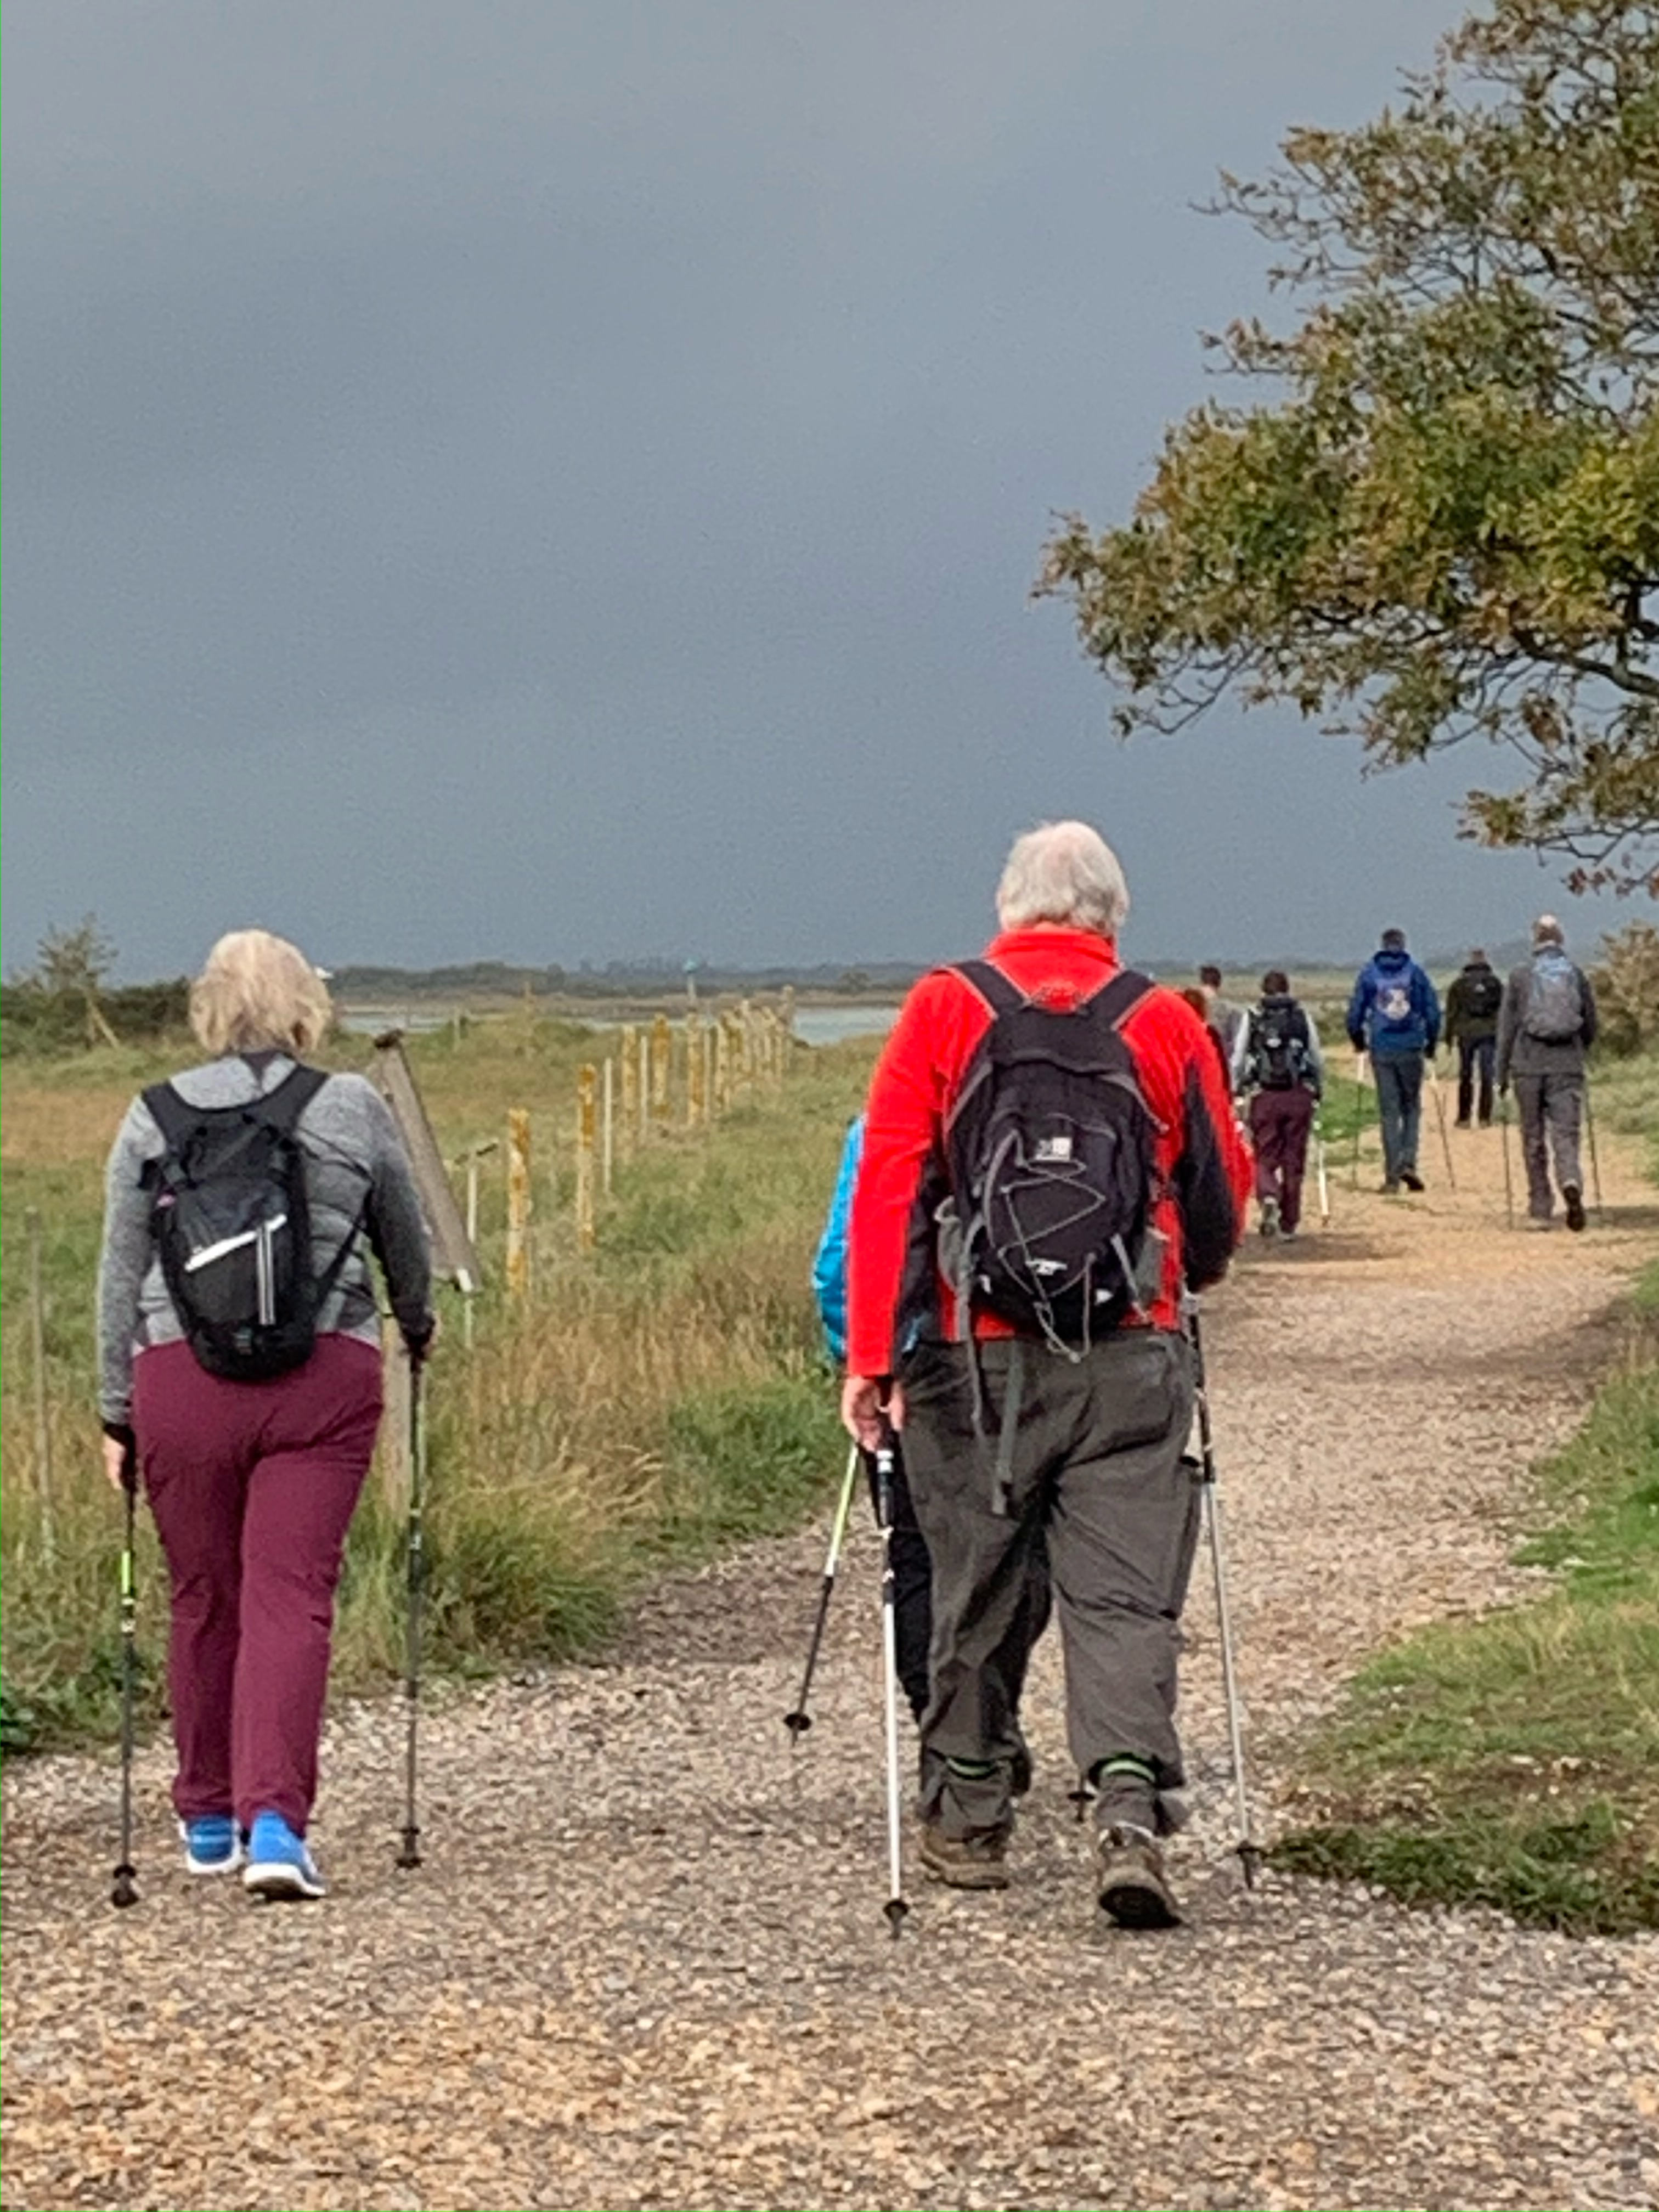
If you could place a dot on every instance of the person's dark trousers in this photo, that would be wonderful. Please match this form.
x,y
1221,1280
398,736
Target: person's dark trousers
x,y
1095,1466
1280,1121
1399,1110
1475,1058
1552,1110
913,1582
913,1586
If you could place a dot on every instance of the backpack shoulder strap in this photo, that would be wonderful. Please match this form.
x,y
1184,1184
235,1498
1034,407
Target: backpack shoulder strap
x,y
983,976
1117,998
176,1117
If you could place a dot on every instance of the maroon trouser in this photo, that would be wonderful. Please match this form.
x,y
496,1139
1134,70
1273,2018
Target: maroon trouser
x,y
1279,1123
252,1486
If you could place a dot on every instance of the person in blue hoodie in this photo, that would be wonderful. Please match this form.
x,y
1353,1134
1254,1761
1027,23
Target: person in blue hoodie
x,y
913,1568
1394,1016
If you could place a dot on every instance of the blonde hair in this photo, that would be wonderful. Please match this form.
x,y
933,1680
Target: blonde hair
x,y
259,993
1064,873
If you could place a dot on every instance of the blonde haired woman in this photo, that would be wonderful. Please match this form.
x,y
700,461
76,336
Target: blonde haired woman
x,y
252,1483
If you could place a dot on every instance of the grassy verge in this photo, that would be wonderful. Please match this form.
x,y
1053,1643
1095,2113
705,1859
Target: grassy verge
x,y
649,1403
1514,1761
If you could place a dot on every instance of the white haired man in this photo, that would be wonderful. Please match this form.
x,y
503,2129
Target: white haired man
x,y
1547,1026
1029,1418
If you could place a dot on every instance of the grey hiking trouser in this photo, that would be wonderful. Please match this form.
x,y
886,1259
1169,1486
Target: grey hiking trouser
x,y
1399,1110
1552,1110
1095,1460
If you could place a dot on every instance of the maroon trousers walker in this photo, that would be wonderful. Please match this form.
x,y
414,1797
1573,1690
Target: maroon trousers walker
x,y
252,1486
1280,1123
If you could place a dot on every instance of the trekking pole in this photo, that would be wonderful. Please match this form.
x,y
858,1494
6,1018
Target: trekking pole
x,y
410,1854
1248,1850
1504,1139
125,1888
1440,1116
896,1908
799,1720
1595,1165
1358,1119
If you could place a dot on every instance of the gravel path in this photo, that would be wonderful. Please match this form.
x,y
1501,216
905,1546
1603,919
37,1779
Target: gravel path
x,y
644,1964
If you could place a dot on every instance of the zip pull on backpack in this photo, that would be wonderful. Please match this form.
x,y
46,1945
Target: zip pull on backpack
x,y
1048,1152
233,1228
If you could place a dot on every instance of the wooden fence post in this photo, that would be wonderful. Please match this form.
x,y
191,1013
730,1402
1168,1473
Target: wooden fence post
x,y
608,1126
723,1084
518,1202
38,1349
696,1096
630,1088
662,1048
586,1081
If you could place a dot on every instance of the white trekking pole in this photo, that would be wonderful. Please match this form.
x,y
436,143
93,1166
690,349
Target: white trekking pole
x,y
1248,1850
798,1720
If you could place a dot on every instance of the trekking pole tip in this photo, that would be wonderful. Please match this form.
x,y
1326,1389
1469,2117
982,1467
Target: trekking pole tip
x,y
124,1889
797,1723
1250,1857
409,1852
894,1912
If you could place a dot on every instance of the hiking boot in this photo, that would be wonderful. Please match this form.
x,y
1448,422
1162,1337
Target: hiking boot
x,y
1129,1868
1270,1217
1389,1190
213,1843
964,1862
1411,1178
279,1863
1539,1221
1575,1199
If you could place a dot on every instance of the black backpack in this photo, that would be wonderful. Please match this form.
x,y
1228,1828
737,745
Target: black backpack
x,y
1278,1044
1048,1153
233,1228
1482,993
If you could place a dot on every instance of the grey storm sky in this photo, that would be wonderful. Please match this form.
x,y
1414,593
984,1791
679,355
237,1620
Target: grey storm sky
x,y
549,480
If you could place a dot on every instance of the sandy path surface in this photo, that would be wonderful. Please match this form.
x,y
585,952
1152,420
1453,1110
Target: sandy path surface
x,y
644,1964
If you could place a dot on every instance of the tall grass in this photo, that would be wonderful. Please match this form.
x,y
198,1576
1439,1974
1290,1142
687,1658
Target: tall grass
x,y
647,1402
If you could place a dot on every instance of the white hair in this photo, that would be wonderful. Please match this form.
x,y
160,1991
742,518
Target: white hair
x,y
1064,872
1546,930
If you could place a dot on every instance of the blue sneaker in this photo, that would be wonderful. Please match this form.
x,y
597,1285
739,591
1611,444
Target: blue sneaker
x,y
213,1843
279,1863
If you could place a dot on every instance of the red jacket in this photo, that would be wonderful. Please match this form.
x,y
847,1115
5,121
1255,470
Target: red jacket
x,y
895,1289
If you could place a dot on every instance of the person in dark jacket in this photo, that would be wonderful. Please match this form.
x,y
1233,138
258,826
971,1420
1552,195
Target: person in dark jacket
x,y
252,1485
1394,1016
1473,1005
1011,1440
1277,1065
1548,1025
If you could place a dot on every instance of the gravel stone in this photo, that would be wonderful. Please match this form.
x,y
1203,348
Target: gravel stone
x,y
645,1962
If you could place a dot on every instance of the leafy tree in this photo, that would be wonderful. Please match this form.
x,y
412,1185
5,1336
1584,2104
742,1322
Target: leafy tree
x,y
1443,523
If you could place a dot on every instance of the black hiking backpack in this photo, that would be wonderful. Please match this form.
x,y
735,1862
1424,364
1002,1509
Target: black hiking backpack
x,y
1049,1153
233,1228
1278,1045
1483,994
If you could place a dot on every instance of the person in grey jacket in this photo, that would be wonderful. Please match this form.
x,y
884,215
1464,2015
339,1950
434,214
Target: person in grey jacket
x,y
252,1483
1547,1026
